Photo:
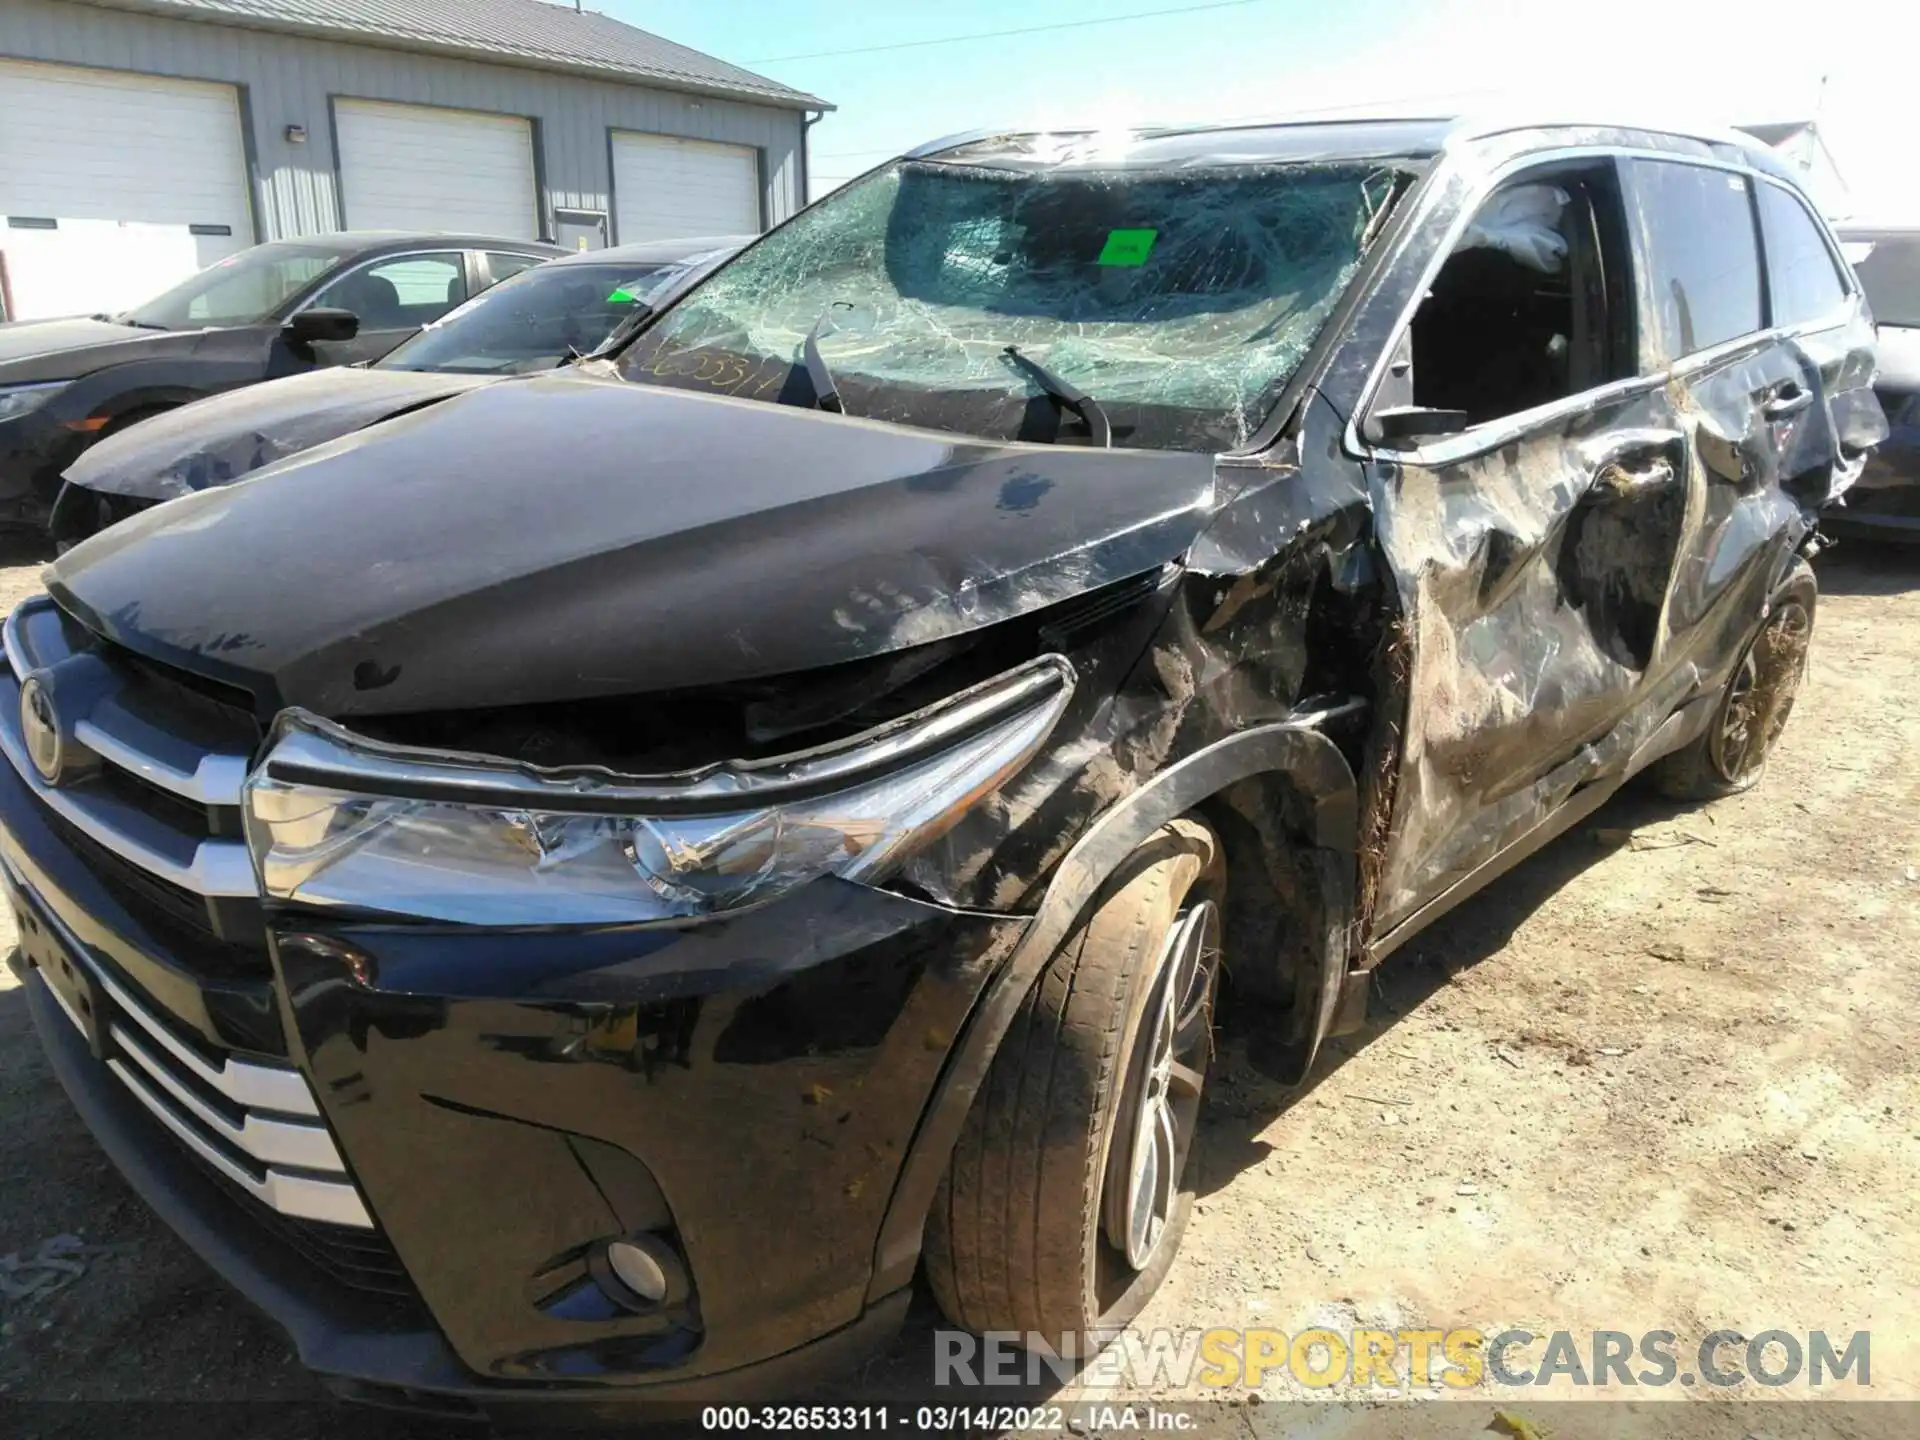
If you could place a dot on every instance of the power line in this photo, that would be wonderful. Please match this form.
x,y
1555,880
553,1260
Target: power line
x,y
998,34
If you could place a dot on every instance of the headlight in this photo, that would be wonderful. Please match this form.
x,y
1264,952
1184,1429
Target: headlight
x,y
16,400
336,820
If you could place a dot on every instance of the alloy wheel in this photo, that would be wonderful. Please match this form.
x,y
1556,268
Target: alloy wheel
x,y
1761,695
1158,1121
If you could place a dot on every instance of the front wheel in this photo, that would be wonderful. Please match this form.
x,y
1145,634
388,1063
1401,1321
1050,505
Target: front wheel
x,y
1066,1197
1731,756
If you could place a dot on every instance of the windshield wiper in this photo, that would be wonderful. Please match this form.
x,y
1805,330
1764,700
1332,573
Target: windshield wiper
x,y
1068,394
618,336
126,320
826,395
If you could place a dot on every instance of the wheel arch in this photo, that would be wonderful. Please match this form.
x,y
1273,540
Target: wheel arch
x,y
1294,752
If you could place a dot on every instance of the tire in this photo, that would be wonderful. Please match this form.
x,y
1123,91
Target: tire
x,y
1030,1228
1731,755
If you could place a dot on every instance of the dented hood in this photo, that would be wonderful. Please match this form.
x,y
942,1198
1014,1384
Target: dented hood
x,y
559,538
217,440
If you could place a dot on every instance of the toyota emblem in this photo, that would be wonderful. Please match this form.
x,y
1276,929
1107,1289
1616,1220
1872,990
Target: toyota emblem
x,y
41,729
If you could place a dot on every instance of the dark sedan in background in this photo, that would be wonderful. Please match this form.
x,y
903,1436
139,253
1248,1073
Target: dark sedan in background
x,y
1885,503
276,309
539,319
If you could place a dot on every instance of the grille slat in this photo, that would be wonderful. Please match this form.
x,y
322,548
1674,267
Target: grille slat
x,y
169,759
156,821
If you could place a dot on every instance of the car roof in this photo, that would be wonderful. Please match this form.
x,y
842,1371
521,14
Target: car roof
x,y
656,252
1303,138
1863,230
368,242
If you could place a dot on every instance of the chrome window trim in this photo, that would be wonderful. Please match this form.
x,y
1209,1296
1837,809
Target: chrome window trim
x,y
1486,181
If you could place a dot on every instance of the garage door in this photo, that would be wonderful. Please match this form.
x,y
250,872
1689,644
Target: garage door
x,y
412,167
670,189
114,186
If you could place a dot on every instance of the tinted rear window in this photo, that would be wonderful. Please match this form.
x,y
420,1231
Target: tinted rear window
x,y
1889,271
1695,227
1805,280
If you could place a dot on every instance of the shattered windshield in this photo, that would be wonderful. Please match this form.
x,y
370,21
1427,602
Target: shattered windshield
x,y
534,321
1179,300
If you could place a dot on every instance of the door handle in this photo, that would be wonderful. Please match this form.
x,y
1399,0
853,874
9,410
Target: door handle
x,y
1629,463
1789,399
1620,480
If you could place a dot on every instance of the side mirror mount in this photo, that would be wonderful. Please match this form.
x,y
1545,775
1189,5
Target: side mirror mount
x,y
1401,423
322,322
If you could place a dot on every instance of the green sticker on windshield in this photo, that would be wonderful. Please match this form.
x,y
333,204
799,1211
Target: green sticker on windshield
x,y
622,296
1128,247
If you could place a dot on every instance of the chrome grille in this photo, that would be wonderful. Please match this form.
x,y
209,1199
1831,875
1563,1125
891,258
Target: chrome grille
x,y
167,796
254,1122
154,815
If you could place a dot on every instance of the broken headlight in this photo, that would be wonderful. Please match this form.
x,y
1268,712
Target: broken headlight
x,y
336,820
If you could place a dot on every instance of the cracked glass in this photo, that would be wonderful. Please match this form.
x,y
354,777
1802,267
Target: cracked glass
x,y
1180,300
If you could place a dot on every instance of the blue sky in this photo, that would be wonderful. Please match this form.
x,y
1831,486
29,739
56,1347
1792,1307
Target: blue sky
x,y
1713,61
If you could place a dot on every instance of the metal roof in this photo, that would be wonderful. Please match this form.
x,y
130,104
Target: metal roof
x,y
513,32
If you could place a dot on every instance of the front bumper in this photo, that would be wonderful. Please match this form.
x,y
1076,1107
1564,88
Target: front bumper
x,y
749,1090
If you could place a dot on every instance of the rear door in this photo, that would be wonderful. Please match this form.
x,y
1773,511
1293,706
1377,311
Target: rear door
x,y
1814,304
1756,399
1532,537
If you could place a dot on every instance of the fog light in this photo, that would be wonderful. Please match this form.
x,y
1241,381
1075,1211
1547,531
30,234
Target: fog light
x,y
641,1273
637,1270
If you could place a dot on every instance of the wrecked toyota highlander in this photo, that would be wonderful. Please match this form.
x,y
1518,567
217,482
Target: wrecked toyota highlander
x,y
616,872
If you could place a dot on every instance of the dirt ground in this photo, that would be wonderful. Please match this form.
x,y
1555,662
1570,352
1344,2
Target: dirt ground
x,y
1665,1075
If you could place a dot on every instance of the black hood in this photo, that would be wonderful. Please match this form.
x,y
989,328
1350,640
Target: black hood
x,y
567,537
217,440
33,350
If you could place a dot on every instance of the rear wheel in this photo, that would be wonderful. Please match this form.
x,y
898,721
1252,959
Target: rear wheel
x,y
1732,755
1066,1197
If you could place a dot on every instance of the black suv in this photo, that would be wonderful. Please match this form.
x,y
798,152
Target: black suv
x,y
614,872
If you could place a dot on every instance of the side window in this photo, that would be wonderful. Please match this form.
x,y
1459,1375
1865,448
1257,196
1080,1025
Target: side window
x,y
1702,279
1531,305
501,265
402,293
1801,274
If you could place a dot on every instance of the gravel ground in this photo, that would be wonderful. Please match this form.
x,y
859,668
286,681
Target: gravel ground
x,y
1666,1074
